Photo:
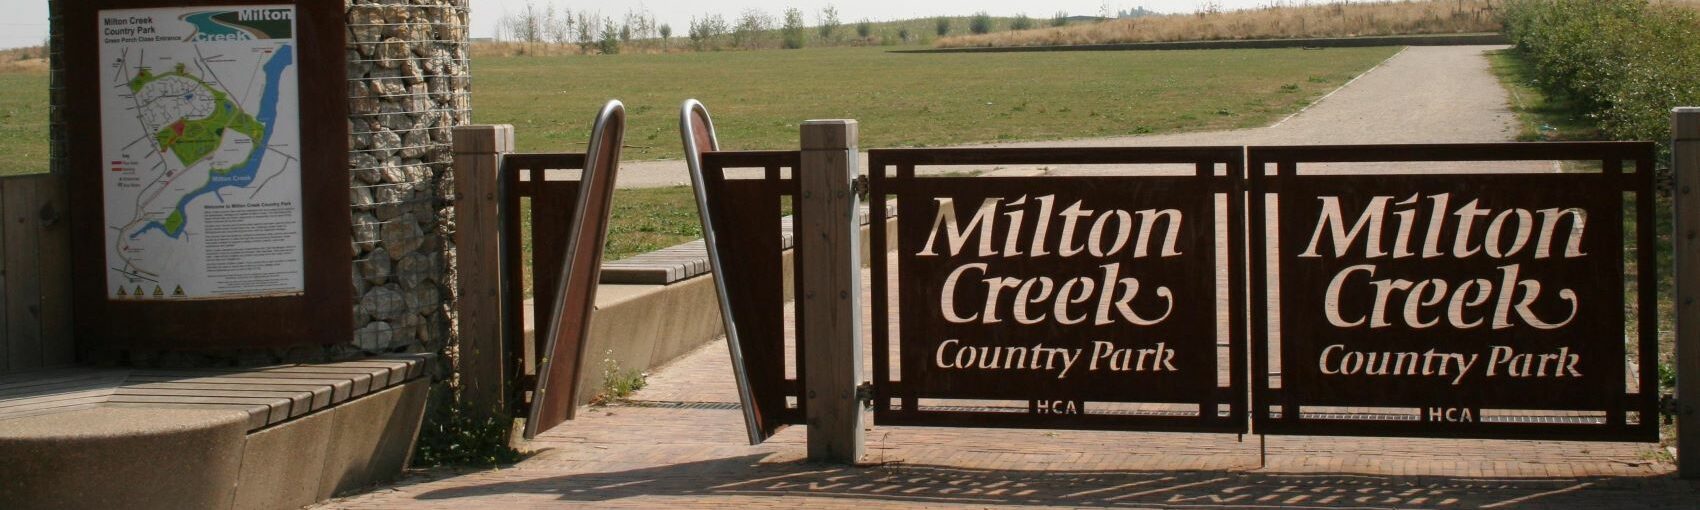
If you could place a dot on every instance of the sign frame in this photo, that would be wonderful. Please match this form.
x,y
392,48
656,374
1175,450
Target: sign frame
x,y
1217,170
1293,420
322,314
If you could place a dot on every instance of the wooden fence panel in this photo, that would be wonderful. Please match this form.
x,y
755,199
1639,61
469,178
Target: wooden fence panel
x,y
35,278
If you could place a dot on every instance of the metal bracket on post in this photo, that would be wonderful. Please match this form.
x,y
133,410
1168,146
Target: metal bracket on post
x,y
1685,164
831,304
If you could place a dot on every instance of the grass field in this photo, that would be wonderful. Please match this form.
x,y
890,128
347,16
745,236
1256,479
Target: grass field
x,y
23,122
903,100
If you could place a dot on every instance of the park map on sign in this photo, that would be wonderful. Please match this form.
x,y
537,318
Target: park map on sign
x,y
201,140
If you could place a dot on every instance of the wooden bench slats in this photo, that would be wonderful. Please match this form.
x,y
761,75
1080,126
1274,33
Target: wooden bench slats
x,y
59,387
53,404
258,415
270,395
320,395
52,397
57,378
415,364
374,378
398,372
277,407
684,261
344,387
12,415
325,391
300,403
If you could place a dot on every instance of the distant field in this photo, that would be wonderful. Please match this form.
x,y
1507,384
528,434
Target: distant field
x,y
902,100
1274,21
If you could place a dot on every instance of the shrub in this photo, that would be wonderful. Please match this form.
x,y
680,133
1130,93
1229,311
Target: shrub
x,y
792,32
1060,19
1021,22
864,29
1625,62
610,42
981,23
941,26
828,22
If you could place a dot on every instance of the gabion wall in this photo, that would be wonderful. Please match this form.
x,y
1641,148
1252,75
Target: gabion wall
x,y
408,87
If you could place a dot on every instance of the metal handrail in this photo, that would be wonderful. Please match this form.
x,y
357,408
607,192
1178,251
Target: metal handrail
x,y
691,114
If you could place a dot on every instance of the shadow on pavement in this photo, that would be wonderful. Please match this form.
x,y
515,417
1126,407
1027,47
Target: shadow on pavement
x,y
747,476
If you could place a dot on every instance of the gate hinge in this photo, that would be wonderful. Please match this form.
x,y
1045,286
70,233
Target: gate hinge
x,y
859,186
865,393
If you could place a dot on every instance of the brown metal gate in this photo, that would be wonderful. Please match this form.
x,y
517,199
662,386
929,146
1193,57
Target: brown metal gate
x,y
1164,349
1482,304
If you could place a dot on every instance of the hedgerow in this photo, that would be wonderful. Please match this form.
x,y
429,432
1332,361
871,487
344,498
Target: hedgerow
x,y
1626,63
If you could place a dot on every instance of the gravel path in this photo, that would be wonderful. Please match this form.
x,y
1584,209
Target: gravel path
x,y
1431,94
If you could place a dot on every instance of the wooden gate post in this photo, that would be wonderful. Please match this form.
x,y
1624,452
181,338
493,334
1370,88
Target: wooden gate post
x,y
831,308
1685,163
484,369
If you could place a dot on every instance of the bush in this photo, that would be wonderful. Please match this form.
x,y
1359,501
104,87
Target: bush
x,y
981,23
1060,19
610,42
1625,62
941,26
1021,22
828,22
792,32
864,29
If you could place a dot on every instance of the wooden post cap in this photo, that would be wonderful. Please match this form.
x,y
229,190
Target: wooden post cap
x,y
1685,124
483,138
830,134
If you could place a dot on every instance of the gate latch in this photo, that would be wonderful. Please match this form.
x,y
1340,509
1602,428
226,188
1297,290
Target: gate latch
x,y
865,394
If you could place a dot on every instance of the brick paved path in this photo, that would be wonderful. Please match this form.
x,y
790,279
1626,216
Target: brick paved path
x,y
680,443
643,456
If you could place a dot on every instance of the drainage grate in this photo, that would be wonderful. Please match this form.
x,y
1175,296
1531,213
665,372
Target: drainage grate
x,y
659,404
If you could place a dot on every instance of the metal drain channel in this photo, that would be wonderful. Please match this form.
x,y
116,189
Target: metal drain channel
x,y
661,404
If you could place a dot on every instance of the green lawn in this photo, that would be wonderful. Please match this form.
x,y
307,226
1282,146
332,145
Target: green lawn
x,y
905,100
23,122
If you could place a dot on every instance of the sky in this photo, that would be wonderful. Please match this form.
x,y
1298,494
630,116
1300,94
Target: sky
x,y
25,21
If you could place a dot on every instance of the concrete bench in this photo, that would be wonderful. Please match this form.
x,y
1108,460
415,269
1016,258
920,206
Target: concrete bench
x,y
266,437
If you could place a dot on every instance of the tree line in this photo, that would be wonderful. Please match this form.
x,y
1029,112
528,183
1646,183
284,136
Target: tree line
x,y
593,32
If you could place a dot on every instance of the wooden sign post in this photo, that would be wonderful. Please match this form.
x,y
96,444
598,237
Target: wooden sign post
x,y
1685,156
830,308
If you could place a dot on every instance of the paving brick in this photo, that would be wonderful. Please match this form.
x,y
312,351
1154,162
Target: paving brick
x,y
641,455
